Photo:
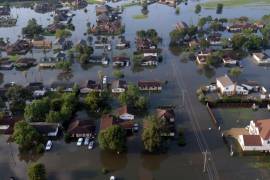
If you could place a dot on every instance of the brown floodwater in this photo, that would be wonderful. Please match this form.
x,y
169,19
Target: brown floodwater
x,y
69,162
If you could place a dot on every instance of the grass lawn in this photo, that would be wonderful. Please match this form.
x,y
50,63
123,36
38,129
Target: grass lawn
x,y
140,16
94,1
232,3
129,4
14,58
239,117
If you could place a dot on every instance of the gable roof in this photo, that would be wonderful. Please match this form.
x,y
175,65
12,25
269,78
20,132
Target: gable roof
x,y
81,127
165,113
106,122
252,140
122,110
45,128
264,128
225,81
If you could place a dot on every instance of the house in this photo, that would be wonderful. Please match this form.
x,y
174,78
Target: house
x,y
19,47
6,64
168,2
123,113
33,86
60,56
122,44
90,86
150,52
7,124
65,86
258,136
48,62
46,129
214,39
167,116
43,7
149,61
149,85
41,44
25,62
261,58
55,26
37,88
119,86
103,9
240,26
81,128
201,58
121,61
228,60
108,121
228,88
4,10
194,44
99,59
181,25
144,43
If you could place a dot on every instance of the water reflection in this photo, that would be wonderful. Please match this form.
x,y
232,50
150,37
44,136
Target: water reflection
x,y
152,162
113,161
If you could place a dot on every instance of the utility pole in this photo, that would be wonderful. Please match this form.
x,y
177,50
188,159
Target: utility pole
x,y
205,160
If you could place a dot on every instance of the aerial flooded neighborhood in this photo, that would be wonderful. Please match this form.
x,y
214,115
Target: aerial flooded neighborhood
x,y
134,89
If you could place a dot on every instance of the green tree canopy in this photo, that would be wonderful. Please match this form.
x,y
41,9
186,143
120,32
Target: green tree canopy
x,y
36,171
37,110
151,135
26,136
32,29
113,138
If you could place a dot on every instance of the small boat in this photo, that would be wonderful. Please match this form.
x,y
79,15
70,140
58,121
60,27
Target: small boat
x,y
254,107
268,107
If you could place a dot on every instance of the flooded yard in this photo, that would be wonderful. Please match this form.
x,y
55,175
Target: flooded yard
x,y
68,162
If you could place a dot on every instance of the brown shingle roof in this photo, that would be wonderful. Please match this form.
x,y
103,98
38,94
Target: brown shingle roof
x,y
106,122
122,110
81,127
252,140
264,128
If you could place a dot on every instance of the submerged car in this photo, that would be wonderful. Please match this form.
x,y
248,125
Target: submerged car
x,y
79,142
48,145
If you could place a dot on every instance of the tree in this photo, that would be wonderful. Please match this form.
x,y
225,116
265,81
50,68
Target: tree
x,y
32,29
254,42
235,72
113,138
118,74
64,65
216,26
238,41
132,98
36,172
151,135
219,8
96,101
17,95
62,33
202,22
53,117
144,7
177,10
204,44
177,36
198,9
26,136
37,110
